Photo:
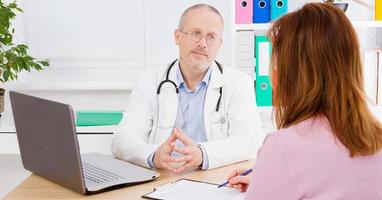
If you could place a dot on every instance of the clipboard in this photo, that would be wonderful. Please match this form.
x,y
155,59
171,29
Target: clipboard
x,y
192,189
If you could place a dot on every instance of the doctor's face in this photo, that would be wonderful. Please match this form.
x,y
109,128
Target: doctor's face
x,y
199,39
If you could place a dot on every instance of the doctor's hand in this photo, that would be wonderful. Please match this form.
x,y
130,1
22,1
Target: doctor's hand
x,y
239,182
192,154
162,157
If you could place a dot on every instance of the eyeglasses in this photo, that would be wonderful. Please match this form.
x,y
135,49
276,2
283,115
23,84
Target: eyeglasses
x,y
196,36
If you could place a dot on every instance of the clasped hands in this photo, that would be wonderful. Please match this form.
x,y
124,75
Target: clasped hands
x,y
192,156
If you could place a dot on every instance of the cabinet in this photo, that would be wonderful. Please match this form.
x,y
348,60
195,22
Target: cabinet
x,y
90,138
99,142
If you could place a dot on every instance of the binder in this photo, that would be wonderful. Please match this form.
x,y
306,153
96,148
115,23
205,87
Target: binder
x,y
378,9
263,55
98,118
261,11
244,10
278,8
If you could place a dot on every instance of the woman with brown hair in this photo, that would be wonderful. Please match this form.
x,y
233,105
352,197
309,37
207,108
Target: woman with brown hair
x,y
328,144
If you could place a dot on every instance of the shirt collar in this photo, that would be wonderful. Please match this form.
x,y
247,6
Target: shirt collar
x,y
206,79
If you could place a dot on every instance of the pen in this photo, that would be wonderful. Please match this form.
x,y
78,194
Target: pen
x,y
242,174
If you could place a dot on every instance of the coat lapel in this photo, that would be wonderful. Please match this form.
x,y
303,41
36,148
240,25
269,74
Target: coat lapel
x,y
212,97
168,101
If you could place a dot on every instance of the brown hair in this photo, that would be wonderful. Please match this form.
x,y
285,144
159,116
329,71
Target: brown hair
x,y
319,72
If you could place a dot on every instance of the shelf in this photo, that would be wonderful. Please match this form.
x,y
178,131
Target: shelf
x,y
265,109
266,26
246,27
7,126
96,129
75,85
367,24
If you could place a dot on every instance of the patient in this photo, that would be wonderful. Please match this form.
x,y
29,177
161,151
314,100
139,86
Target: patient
x,y
328,145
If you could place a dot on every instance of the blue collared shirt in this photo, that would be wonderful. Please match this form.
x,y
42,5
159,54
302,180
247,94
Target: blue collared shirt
x,y
190,116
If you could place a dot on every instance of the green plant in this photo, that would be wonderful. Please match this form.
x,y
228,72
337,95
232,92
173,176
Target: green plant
x,y
14,57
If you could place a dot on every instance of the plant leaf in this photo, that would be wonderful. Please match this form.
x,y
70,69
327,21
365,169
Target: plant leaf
x,y
44,63
14,58
6,74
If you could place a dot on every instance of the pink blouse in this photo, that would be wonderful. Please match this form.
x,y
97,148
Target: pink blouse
x,y
306,161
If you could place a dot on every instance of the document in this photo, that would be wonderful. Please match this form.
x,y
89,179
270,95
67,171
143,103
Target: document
x,y
245,49
186,189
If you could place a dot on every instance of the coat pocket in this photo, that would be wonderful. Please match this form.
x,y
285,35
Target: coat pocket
x,y
219,130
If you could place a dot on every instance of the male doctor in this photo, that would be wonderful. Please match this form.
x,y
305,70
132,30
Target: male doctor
x,y
194,113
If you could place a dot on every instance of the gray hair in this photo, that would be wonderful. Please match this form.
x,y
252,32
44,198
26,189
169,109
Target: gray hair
x,y
198,6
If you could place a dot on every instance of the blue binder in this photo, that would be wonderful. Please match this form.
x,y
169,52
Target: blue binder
x,y
261,11
263,56
278,8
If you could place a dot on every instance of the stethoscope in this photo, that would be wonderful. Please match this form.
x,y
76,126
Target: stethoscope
x,y
167,80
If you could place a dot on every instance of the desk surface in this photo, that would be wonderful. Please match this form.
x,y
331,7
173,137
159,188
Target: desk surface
x,y
35,187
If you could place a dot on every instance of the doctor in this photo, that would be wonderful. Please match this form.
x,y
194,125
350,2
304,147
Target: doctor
x,y
194,113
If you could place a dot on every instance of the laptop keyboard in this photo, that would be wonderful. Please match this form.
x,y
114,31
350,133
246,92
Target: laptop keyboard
x,y
98,175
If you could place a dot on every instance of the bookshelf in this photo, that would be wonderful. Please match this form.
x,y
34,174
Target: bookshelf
x,y
262,28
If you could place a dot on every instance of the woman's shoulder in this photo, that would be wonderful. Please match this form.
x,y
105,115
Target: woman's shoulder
x,y
312,130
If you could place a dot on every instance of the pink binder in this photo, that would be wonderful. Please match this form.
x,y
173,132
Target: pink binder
x,y
244,11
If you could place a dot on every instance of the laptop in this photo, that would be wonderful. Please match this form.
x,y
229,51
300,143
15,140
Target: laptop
x,y
49,148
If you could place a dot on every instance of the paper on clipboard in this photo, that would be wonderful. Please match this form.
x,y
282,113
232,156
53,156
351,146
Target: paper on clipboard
x,y
186,189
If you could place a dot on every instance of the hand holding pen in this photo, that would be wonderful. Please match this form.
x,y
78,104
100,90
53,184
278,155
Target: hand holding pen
x,y
238,179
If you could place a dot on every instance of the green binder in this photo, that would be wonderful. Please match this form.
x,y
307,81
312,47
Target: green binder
x,y
263,48
98,118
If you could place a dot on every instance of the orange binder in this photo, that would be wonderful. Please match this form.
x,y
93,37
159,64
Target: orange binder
x,y
378,9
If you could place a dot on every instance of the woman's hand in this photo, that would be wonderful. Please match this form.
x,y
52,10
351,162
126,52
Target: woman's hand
x,y
239,182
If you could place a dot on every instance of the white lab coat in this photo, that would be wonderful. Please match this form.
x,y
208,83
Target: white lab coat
x,y
234,134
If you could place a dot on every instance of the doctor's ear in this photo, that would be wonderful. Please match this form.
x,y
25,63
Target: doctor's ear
x,y
221,42
177,34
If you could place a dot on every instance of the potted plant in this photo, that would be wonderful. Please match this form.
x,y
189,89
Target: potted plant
x,y
13,57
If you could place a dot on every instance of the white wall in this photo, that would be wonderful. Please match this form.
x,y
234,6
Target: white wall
x,y
98,48
98,44
162,19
